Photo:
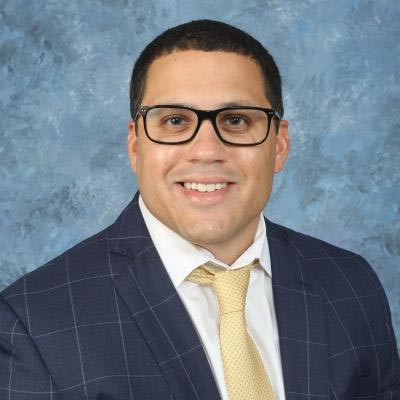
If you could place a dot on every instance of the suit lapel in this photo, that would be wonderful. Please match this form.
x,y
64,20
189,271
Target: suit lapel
x,y
145,287
300,318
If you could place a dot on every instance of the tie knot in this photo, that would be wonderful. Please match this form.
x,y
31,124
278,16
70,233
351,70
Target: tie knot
x,y
230,285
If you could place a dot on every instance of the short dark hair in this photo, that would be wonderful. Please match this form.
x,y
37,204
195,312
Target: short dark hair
x,y
206,35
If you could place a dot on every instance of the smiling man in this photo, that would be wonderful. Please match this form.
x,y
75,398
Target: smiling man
x,y
191,293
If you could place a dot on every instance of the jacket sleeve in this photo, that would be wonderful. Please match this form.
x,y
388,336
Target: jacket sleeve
x,y
391,371
387,356
23,373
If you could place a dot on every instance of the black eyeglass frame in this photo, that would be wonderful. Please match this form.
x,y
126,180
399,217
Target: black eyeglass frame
x,y
212,116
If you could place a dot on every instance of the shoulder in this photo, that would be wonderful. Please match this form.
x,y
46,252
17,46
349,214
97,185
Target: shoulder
x,y
337,269
308,247
345,281
51,281
86,259
80,273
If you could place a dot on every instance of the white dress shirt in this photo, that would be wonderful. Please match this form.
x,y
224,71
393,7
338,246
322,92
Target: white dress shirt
x,y
181,257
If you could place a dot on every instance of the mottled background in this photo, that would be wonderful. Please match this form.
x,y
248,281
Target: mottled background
x,y
64,73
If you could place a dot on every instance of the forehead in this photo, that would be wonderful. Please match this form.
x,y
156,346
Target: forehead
x,y
197,77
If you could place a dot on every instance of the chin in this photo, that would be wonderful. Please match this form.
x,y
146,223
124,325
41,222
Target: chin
x,y
206,234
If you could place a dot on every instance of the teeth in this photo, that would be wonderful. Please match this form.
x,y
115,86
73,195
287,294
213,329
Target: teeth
x,y
203,187
210,187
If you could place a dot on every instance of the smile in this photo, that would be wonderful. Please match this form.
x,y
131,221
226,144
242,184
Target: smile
x,y
204,187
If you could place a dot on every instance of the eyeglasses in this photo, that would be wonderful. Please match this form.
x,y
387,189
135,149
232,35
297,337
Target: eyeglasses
x,y
238,126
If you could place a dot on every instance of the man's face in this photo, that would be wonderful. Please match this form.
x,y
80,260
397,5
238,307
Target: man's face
x,y
223,221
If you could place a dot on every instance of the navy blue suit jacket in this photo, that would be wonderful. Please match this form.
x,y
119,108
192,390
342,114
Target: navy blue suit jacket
x,y
104,321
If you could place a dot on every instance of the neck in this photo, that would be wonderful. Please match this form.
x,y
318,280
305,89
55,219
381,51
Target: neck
x,y
230,250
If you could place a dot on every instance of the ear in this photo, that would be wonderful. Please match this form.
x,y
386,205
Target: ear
x,y
282,145
132,145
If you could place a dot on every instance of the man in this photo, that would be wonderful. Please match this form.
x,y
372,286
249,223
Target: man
x,y
191,294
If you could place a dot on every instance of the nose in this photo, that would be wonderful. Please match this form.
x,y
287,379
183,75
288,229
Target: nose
x,y
206,146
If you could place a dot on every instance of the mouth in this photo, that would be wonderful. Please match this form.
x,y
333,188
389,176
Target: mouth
x,y
204,187
205,190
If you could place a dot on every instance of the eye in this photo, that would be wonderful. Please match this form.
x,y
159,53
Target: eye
x,y
175,123
235,120
174,120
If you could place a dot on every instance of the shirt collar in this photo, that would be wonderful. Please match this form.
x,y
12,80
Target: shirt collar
x,y
181,257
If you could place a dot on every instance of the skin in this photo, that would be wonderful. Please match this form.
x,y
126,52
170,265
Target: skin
x,y
225,221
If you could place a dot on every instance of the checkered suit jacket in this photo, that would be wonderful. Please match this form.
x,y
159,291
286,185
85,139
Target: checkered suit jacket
x,y
104,321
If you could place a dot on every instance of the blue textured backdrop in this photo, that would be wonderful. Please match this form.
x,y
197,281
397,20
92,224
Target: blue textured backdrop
x,y
64,74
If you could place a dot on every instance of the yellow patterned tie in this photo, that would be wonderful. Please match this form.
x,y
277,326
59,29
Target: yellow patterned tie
x,y
245,375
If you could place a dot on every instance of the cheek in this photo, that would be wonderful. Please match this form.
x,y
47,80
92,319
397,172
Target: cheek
x,y
258,165
154,161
